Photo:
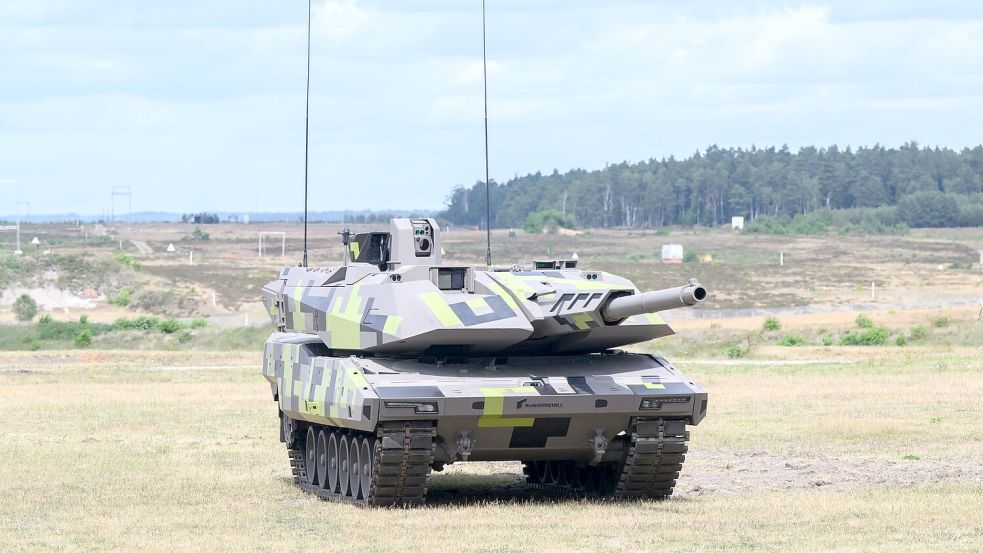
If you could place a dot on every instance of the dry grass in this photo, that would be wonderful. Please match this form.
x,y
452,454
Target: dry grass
x,y
178,451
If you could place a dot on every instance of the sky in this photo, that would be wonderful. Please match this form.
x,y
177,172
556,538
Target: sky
x,y
199,105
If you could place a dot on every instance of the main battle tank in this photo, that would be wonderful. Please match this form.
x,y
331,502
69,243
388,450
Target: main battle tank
x,y
395,364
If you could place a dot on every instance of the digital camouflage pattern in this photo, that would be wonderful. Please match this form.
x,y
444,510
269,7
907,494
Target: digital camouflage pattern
x,y
402,357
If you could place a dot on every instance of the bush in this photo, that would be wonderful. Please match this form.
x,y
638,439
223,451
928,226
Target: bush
x,y
170,326
83,319
941,321
918,332
25,308
929,209
772,324
184,337
83,338
791,340
122,298
827,340
549,219
199,323
863,321
867,337
127,259
199,234
901,341
140,323
690,257
735,351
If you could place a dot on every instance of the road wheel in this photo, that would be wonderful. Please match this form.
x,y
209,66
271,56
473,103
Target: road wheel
x,y
310,456
344,466
333,463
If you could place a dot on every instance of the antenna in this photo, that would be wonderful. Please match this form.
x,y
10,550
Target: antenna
x,y
307,126
484,68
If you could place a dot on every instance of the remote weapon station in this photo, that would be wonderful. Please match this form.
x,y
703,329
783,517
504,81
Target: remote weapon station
x,y
395,364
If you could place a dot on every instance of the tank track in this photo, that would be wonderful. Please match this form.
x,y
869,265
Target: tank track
x,y
653,458
402,456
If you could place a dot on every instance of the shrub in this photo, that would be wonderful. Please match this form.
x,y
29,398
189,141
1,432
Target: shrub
x,y
735,351
83,319
25,308
901,341
122,298
863,321
140,323
170,326
127,259
866,337
83,339
690,257
918,332
45,319
184,337
199,234
199,323
549,219
791,340
827,340
929,209
772,324
941,321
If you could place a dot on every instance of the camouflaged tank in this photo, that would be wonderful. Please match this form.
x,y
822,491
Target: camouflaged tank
x,y
395,364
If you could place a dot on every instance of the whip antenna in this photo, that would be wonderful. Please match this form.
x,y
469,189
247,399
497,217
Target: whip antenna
x,y
484,68
307,126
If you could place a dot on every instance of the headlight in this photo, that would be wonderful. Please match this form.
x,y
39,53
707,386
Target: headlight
x,y
419,407
656,403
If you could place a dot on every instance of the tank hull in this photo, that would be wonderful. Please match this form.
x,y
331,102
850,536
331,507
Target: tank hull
x,y
580,410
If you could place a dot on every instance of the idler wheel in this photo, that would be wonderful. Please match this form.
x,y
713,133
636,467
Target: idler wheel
x,y
322,459
333,463
344,466
310,457
366,458
354,459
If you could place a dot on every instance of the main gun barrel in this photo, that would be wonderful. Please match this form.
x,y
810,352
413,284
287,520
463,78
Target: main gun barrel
x,y
657,300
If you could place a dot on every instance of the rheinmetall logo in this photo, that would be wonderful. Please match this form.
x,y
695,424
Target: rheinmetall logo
x,y
525,403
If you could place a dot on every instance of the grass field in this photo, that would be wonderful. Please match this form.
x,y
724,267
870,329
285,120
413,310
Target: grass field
x,y
874,451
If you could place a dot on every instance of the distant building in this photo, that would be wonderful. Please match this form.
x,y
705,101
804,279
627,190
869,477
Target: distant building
x,y
672,253
737,222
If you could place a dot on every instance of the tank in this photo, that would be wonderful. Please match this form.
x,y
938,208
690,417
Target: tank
x,y
393,365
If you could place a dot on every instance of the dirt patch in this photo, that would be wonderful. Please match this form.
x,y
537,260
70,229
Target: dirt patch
x,y
722,473
49,297
727,472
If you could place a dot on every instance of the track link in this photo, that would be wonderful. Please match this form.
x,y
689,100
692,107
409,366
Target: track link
x,y
654,456
402,455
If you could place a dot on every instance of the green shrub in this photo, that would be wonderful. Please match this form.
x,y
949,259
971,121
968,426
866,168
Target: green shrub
x,y
170,326
690,257
791,340
122,298
863,321
127,259
199,234
83,338
827,340
866,337
548,219
83,319
25,308
918,332
140,323
184,337
45,319
901,341
941,321
734,350
199,323
772,324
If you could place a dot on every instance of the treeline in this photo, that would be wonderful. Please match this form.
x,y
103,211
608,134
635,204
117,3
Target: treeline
x,y
911,185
